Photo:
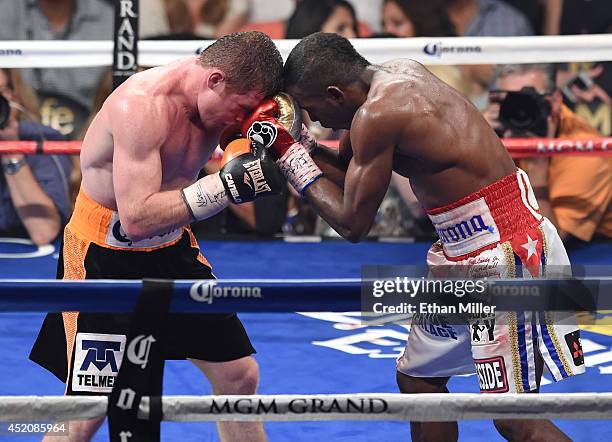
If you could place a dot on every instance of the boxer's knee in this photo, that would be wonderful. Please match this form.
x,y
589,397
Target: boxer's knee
x,y
240,376
427,431
529,430
412,384
244,380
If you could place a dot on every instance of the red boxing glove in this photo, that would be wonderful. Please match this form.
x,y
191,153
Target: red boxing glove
x,y
276,123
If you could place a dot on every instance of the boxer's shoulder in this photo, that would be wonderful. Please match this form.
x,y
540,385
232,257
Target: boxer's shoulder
x,y
140,112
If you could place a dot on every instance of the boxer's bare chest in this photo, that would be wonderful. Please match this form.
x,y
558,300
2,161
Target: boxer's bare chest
x,y
184,153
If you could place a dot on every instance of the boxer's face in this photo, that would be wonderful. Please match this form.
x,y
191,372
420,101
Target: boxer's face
x,y
325,109
240,104
222,104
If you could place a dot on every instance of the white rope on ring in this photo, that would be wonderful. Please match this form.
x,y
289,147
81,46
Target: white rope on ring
x,y
450,50
370,406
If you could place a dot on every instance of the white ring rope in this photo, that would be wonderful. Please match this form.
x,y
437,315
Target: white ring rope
x,y
451,50
370,406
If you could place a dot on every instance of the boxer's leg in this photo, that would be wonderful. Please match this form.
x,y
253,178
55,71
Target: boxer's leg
x,y
524,341
78,431
427,431
240,377
438,347
508,361
530,430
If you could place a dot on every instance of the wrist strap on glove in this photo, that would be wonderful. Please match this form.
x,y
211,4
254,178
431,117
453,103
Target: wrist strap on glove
x,y
206,197
299,168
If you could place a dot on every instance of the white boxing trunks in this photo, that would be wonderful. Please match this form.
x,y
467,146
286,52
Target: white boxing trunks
x,y
497,232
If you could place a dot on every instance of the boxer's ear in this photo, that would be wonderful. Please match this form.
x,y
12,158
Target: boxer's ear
x,y
335,93
216,80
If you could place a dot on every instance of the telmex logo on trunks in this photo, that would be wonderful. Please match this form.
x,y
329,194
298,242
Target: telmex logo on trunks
x,y
97,360
207,291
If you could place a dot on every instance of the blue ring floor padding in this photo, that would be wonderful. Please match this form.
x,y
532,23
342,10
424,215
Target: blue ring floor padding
x,y
300,353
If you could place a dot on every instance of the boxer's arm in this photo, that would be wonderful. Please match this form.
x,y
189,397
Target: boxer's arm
x,y
334,162
138,130
351,211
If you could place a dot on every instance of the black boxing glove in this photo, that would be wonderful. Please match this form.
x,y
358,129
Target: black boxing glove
x,y
248,171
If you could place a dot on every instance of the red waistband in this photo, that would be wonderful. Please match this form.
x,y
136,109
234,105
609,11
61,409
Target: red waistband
x,y
510,202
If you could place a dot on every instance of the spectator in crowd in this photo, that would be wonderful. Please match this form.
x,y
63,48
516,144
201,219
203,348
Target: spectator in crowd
x,y
265,11
484,18
574,192
369,11
152,18
65,94
544,15
33,188
487,18
410,18
587,87
271,17
586,17
312,16
214,18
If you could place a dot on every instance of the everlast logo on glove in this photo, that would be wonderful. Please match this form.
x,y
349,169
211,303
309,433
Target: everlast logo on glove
x,y
255,172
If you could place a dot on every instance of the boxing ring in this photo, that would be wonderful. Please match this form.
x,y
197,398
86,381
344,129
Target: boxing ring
x,y
306,357
309,353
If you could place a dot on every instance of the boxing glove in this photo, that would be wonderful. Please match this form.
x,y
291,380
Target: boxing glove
x,y
277,124
248,171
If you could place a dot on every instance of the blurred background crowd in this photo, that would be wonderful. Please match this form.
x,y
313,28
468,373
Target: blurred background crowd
x,y
564,100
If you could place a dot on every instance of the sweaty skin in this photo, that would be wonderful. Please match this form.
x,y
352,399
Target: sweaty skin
x,y
151,138
400,118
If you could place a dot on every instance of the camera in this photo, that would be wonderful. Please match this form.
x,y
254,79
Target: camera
x,y
524,113
5,111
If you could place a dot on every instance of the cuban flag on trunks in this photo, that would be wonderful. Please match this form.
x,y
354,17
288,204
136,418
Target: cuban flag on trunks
x,y
529,248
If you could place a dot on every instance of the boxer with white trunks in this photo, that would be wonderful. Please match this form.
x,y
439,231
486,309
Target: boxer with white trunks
x,y
401,118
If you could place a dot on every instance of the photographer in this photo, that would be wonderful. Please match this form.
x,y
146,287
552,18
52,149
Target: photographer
x,y
574,192
33,188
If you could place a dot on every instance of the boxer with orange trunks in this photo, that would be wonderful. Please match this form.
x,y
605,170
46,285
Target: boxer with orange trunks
x,y
402,118
140,159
